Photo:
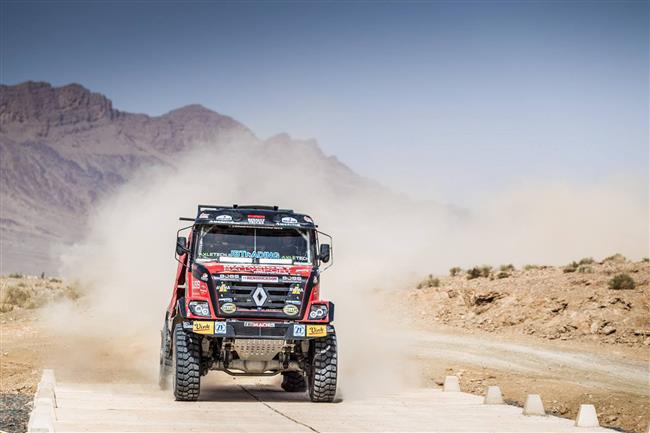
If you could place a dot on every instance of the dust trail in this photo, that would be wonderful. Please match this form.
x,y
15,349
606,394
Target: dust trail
x,y
382,241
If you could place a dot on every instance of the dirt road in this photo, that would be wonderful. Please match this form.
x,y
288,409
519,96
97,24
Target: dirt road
x,y
607,371
616,381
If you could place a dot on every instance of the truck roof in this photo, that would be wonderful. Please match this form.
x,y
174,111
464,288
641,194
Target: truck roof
x,y
251,216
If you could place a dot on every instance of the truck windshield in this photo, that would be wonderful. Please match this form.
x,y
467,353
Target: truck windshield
x,y
253,245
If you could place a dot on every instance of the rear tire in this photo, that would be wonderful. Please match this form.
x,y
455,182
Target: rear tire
x,y
323,371
187,365
294,381
166,363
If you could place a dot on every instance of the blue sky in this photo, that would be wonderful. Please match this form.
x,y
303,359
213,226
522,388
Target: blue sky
x,y
443,100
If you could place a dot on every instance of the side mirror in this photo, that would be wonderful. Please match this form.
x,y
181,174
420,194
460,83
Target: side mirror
x,y
324,253
181,243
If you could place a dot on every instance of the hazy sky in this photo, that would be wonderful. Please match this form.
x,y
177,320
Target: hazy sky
x,y
445,100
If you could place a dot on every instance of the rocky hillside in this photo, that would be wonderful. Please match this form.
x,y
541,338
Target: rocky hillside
x,y
63,148
602,302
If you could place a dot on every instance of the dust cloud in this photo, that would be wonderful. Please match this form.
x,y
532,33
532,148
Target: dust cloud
x,y
382,242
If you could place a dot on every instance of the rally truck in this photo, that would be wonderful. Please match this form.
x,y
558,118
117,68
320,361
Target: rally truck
x,y
246,301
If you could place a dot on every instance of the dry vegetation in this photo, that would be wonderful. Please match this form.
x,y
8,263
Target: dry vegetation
x,y
606,301
29,292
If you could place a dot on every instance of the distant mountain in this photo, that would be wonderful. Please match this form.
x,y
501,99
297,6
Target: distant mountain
x,y
64,148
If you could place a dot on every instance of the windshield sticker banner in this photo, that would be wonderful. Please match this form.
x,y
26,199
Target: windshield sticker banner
x,y
255,254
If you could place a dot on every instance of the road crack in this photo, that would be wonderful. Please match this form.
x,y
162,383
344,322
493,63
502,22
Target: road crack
x,y
277,411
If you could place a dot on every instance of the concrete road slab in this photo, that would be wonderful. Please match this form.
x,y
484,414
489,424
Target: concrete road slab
x,y
255,406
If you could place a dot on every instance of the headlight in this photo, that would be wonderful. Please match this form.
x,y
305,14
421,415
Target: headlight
x,y
200,308
318,312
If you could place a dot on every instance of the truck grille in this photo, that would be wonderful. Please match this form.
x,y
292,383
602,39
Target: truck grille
x,y
262,296
260,299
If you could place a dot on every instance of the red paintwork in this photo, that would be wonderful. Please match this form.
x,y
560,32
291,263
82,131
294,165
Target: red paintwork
x,y
190,293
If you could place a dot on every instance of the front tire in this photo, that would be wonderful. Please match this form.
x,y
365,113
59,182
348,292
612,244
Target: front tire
x,y
187,365
294,381
323,369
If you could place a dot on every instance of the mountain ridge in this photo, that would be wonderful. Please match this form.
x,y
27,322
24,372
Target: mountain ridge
x,y
62,149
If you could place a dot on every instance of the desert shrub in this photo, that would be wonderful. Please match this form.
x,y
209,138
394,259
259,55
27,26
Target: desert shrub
x,y
475,272
15,275
586,261
571,267
55,280
429,282
17,296
5,308
507,268
530,267
645,260
615,258
455,271
479,271
503,274
583,269
622,282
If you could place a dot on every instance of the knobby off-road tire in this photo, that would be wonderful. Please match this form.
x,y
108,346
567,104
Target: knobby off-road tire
x,y
294,381
166,363
187,363
323,371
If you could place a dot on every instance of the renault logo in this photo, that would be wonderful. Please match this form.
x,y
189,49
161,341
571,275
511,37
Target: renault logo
x,y
259,296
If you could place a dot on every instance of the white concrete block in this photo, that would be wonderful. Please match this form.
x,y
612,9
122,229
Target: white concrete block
x,y
41,419
451,384
45,391
587,416
48,377
493,395
534,405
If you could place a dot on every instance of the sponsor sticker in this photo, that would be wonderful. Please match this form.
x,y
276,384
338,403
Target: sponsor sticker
x,y
299,330
229,277
229,308
259,279
222,218
223,288
291,278
290,310
199,288
204,215
307,219
289,220
257,269
225,299
316,330
256,219
259,324
220,327
202,327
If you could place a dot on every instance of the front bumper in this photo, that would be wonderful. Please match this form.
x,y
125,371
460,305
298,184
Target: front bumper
x,y
258,330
